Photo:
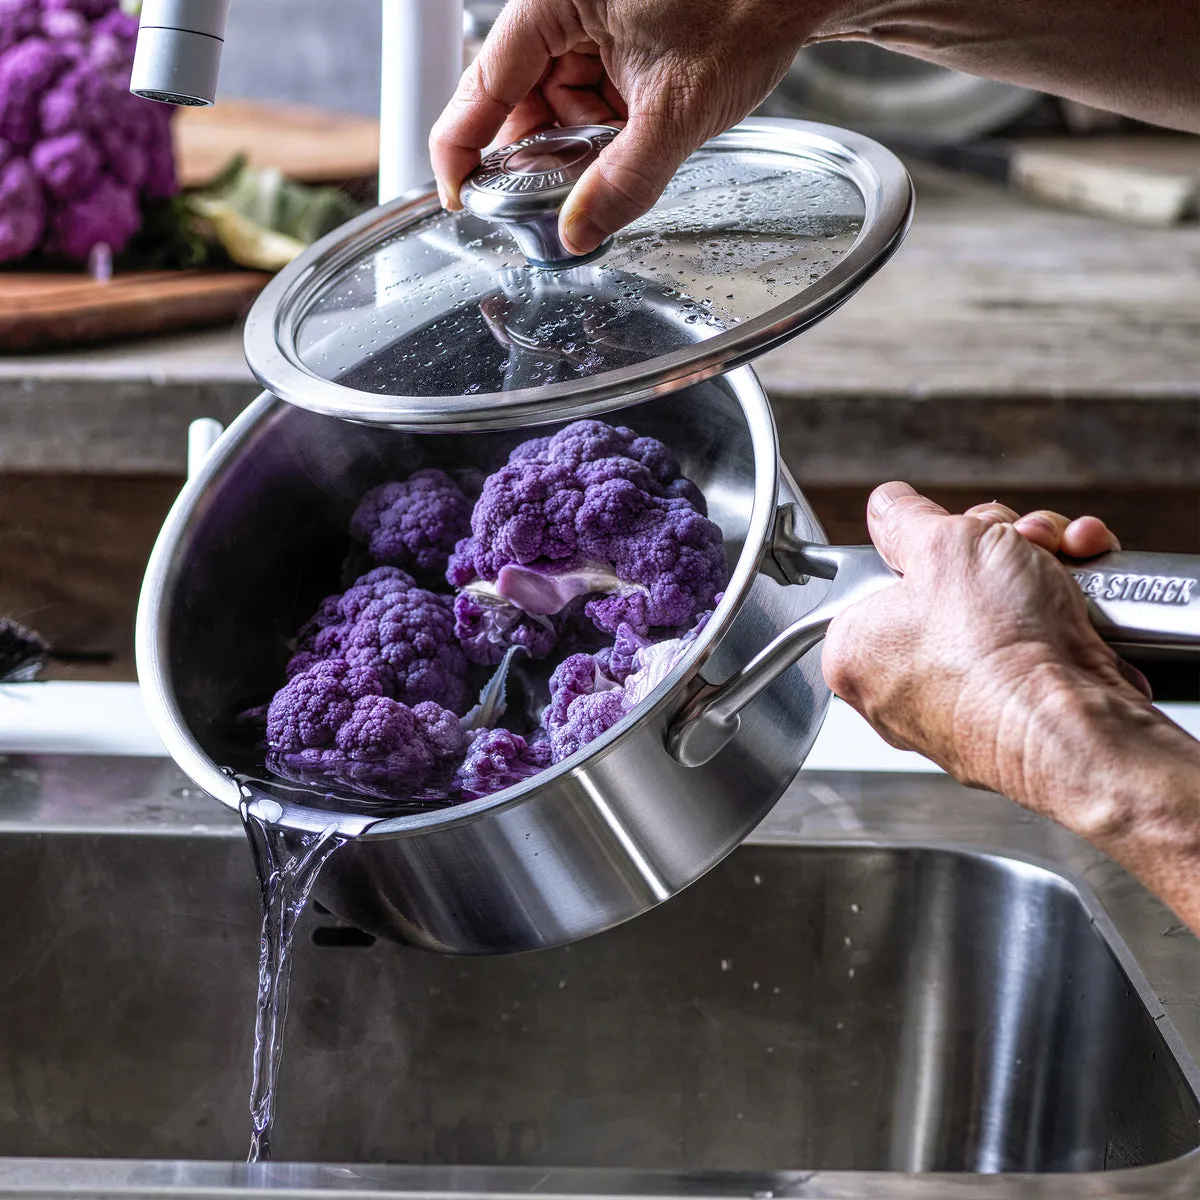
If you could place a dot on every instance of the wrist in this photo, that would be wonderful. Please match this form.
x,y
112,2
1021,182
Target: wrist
x,y
1106,764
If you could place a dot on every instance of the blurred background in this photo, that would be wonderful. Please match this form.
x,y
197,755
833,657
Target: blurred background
x,y
328,57
1037,340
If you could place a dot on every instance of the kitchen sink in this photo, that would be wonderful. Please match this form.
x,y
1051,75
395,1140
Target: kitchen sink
x,y
838,996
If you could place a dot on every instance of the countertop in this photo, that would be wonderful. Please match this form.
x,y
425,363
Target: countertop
x,y
107,718
1034,346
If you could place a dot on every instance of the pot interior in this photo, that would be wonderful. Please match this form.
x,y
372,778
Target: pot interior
x,y
262,537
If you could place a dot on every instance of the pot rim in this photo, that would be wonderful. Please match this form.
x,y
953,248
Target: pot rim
x,y
151,651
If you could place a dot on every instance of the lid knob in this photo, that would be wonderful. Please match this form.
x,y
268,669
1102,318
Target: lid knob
x,y
524,186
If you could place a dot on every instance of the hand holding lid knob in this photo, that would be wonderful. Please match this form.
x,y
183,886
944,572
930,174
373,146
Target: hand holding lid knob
x,y
524,186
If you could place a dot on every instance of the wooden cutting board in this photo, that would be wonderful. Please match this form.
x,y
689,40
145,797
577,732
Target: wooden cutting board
x,y
46,311
308,144
54,310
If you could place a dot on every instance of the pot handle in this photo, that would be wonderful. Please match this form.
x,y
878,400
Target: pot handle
x,y
1134,598
201,437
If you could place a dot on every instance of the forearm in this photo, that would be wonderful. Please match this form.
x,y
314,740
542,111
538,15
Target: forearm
x,y
1123,776
1139,59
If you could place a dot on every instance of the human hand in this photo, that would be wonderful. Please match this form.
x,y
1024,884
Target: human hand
x,y
983,650
673,73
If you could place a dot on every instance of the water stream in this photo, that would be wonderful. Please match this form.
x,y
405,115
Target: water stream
x,y
288,863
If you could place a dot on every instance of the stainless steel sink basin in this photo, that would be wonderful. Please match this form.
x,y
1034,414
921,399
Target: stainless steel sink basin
x,y
846,994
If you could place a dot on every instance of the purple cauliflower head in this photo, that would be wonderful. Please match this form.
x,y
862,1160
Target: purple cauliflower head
x,y
334,721
26,71
413,524
497,759
593,510
91,152
399,630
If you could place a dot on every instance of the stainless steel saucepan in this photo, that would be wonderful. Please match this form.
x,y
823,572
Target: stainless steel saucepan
x,y
255,540
414,337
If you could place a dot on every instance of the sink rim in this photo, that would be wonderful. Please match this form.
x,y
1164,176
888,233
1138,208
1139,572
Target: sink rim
x,y
110,1178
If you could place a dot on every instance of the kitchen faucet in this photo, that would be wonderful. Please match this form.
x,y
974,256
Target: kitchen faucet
x,y
178,60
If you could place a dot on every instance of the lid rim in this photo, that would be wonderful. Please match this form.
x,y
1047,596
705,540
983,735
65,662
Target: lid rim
x,y
879,176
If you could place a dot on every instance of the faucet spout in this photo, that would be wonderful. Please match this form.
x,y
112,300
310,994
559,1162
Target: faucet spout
x,y
178,60
178,55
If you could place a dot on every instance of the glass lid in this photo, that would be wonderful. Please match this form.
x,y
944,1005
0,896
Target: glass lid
x,y
416,318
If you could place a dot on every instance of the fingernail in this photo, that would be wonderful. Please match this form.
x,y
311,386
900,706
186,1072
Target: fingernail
x,y
580,234
885,495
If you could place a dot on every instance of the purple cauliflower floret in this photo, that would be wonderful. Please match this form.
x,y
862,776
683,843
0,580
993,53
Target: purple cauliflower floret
x,y
584,703
590,693
90,152
308,710
593,511
413,524
18,19
107,214
22,208
68,165
497,759
89,8
486,629
64,25
399,630
26,71
619,660
334,720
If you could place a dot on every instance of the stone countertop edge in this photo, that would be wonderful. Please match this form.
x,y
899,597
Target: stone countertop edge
x,y
1005,341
